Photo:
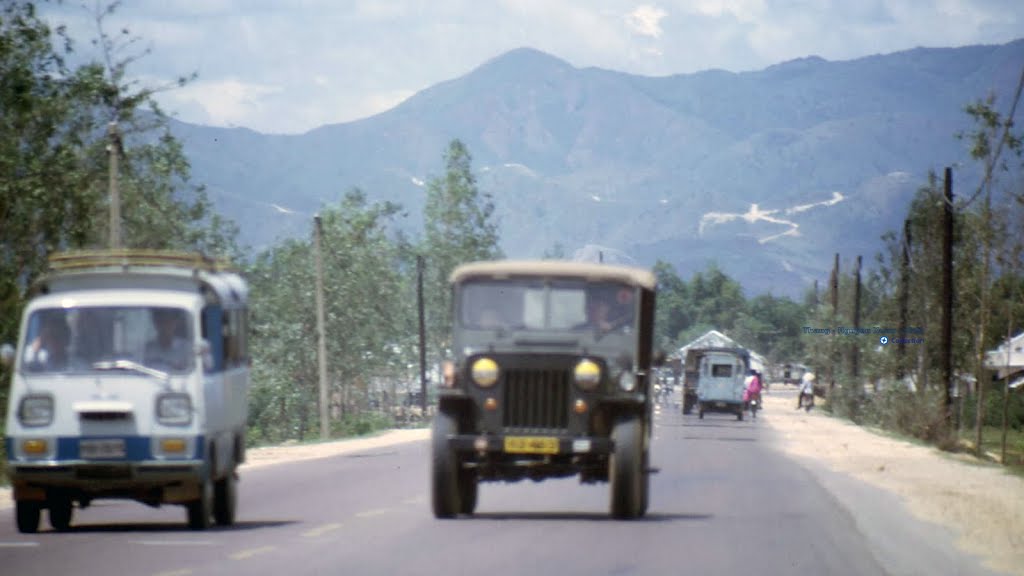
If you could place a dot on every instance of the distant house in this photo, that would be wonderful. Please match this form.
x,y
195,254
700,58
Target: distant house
x,y
715,339
1007,361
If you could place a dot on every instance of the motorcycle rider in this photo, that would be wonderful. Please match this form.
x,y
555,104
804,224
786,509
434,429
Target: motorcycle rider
x,y
752,393
806,397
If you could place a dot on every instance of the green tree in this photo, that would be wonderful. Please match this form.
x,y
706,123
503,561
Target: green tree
x,y
366,322
459,227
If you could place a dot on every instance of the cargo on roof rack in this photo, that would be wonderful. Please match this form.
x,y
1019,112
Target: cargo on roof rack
x,y
135,258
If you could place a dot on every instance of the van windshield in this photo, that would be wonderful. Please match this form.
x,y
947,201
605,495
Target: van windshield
x,y
544,304
75,339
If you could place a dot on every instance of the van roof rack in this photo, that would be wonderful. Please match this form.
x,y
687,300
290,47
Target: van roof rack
x,y
135,258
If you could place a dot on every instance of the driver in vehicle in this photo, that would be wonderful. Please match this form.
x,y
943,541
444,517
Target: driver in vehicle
x,y
171,350
48,351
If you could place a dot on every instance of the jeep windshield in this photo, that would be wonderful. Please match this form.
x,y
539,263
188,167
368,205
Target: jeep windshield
x,y
86,339
552,305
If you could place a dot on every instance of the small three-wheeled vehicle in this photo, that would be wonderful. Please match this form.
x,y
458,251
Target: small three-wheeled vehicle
x,y
551,376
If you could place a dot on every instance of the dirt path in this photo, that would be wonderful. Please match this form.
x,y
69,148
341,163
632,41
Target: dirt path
x,y
981,503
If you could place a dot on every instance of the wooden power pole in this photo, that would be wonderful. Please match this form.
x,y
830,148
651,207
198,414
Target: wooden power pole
x,y
320,334
423,333
947,297
114,151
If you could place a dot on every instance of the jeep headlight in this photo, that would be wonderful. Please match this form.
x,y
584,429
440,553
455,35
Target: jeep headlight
x,y
174,409
484,372
627,381
36,410
587,374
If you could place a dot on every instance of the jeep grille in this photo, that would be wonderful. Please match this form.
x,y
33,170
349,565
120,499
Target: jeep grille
x,y
537,401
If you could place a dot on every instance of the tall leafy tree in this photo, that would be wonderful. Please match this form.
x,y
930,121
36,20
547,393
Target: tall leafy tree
x,y
367,319
460,226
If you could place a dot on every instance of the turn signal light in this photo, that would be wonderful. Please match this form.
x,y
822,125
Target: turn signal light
x,y
448,369
34,447
490,404
580,407
172,445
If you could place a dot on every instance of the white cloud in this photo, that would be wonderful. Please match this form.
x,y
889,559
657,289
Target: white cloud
x,y
290,67
646,20
228,102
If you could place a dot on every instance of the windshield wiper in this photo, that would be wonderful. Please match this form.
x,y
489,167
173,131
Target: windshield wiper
x,y
134,366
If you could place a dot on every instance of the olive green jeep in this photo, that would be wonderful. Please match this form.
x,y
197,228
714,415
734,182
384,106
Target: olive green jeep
x,y
550,376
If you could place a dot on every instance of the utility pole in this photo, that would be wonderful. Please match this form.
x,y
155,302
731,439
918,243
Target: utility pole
x,y
423,334
1006,390
321,337
904,297
834,288
855,351
114,151
947,298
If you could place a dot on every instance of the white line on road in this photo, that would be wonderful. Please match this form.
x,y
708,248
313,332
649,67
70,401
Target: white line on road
x,y
371,513
18,544
183,572
321,530
416,500
174,542
251,552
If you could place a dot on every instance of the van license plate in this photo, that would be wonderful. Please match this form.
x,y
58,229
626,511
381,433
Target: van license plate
x,y
90,449
531,445
719,404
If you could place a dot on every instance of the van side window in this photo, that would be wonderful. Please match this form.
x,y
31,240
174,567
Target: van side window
x,y
213,330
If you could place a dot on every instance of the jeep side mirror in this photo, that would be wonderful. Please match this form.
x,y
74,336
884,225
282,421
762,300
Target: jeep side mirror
x,y
7,355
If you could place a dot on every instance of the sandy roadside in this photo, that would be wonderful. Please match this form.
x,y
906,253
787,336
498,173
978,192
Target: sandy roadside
x,y
981,503
268,455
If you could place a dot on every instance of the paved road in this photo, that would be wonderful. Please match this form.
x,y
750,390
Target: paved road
x,y
725,502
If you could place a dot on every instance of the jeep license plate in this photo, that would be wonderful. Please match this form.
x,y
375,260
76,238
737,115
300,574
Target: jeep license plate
x,y
91,449
531,445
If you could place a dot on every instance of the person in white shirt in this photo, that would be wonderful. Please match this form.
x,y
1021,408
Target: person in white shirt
x,y
806,391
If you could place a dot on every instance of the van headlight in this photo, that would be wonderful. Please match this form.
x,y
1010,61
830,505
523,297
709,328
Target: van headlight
x,y
174,409
484,372
36,410
587,374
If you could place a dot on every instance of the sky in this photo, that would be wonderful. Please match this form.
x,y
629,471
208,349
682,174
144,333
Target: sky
x,y
289,66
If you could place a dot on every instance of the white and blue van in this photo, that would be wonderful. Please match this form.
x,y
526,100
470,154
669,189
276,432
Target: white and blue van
x,y
130,380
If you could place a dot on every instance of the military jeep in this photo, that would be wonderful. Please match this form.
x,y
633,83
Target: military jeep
x,y
550,377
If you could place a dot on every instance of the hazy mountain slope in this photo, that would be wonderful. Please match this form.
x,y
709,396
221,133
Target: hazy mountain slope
x,y
590,157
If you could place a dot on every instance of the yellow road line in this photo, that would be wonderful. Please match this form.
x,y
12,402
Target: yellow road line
x,y
244,554
371,513
321,530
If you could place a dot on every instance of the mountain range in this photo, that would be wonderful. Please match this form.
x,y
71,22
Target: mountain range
x,y
767,173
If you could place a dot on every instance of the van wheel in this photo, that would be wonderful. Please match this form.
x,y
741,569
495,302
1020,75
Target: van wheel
x,y
626,469
225,500
201,509
61,511
27,513
444,474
